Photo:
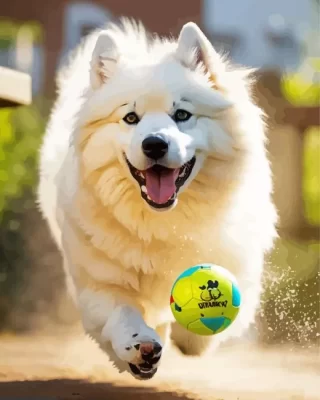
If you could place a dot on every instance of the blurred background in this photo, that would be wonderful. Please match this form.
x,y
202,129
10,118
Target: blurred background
x,y
281,38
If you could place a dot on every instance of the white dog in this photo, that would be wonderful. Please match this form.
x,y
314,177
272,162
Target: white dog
x,y
153,161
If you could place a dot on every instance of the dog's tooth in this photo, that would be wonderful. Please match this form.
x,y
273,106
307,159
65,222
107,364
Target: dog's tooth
x,y
144,189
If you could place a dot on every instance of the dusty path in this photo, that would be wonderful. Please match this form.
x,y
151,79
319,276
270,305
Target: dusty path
x,y
72,367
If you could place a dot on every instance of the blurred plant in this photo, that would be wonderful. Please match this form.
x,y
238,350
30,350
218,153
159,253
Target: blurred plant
x,y
302,88
20,136
290,302
311,177
9,30
21,132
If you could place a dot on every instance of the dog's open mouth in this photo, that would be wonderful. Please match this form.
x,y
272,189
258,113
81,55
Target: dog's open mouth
x,y
160,185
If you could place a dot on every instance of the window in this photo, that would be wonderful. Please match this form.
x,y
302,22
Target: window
x,y
79,20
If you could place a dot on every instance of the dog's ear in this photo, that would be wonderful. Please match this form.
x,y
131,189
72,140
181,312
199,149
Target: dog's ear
x,y
194,48
210,284
104,60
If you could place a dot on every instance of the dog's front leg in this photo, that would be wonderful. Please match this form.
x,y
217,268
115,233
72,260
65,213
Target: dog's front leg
x,y
119,328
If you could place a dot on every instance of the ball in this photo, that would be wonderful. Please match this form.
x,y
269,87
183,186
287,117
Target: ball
x,y
205,299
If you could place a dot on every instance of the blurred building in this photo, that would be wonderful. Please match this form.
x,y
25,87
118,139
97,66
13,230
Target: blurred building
x,y
64,22
269,34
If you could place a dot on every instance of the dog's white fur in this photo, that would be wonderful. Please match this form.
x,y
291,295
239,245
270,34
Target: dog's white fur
x,y
120,256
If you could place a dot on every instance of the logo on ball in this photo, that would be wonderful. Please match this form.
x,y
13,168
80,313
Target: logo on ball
x,y
210,293
205,299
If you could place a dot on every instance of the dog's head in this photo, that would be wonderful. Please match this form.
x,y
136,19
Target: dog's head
x,y
160,120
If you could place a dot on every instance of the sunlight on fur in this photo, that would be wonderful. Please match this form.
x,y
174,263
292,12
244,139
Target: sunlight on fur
x,y
129,213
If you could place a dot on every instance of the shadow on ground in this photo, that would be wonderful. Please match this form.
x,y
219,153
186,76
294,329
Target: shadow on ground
x,y
69,389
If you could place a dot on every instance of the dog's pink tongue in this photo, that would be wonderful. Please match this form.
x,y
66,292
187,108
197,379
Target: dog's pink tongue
x,y
161,185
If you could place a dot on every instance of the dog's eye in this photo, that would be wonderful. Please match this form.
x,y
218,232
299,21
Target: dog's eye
x,y
131,118
182,115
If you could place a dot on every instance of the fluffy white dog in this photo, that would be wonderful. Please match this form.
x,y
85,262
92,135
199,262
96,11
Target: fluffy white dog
x,y
154,160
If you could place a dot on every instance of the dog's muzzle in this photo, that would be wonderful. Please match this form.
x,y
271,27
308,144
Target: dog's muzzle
x,y
160,185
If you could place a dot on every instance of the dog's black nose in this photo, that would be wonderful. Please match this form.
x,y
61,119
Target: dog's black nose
x,y
155,146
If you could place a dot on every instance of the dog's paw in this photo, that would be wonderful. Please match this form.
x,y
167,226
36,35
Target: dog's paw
x,y
146,359
143,354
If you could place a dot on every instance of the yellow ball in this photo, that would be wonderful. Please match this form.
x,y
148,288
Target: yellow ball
x,y
205,299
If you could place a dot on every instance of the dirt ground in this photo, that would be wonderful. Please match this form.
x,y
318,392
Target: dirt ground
x,y
70,366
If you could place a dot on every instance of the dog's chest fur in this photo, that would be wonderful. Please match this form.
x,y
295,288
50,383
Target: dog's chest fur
x,y
111,254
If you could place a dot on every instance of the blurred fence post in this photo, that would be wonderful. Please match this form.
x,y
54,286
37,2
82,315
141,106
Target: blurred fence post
x,y
15,88
287,125
290,308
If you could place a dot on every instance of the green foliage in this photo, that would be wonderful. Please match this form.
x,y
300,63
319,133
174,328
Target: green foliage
x,y
311,177
21,132
9,30
303,89
300,89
